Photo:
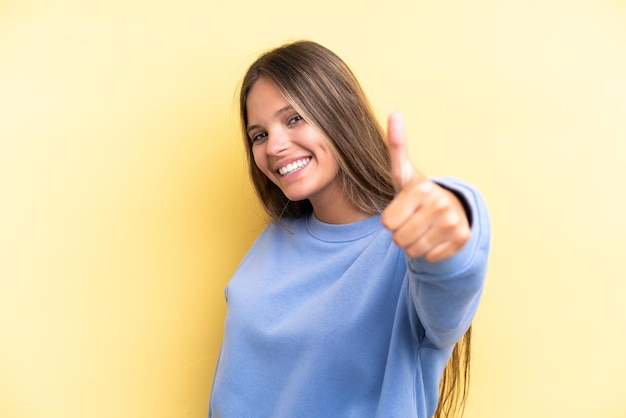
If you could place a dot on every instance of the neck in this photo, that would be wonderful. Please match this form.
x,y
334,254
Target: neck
x,y
340,211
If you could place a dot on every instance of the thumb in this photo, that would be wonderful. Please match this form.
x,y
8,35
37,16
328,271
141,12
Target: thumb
x,y
402,170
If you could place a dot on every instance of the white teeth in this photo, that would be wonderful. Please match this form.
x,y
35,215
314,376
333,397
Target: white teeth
x,y
291,167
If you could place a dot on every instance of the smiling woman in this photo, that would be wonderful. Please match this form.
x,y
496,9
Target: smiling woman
x,y
356,295
294,155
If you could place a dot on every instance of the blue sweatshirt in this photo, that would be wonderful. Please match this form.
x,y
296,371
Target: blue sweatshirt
x,y
334,321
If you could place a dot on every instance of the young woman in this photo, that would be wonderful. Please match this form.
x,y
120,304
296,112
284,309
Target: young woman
x,y
361,288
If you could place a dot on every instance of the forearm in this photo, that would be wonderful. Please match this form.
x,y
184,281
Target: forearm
x,y
445,294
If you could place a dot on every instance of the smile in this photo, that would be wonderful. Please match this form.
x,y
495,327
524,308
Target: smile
x,y
294,166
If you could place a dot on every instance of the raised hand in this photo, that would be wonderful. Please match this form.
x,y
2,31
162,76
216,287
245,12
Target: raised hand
x,y
425,219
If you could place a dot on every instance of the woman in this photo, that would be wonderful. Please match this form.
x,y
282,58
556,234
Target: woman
x,y
352,300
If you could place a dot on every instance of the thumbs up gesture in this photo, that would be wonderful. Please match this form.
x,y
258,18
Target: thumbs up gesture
x,y
425,219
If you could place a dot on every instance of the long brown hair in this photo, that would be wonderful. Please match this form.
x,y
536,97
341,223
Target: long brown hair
x,y
325,92
327,95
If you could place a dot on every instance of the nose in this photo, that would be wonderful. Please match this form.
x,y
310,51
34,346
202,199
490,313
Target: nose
x,y
277,142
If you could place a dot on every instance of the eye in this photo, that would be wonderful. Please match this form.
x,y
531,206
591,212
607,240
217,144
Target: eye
x,y
258,136
294,119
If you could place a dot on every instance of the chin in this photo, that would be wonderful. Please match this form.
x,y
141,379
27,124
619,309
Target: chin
x,y
296,198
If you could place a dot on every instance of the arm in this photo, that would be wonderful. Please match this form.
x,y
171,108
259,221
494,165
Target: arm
x,y
447,257
445,294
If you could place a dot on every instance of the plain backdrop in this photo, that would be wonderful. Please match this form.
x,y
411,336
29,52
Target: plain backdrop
x,y
125,205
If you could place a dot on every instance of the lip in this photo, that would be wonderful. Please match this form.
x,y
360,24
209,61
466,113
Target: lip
x,y
284,163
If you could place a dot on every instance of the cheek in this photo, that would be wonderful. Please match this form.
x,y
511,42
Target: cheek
x,y
331,160
260,159
333,170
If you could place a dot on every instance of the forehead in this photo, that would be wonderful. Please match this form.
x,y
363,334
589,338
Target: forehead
x,y
264,97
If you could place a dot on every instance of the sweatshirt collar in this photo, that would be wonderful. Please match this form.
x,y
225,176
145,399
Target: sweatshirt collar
x,y
343,232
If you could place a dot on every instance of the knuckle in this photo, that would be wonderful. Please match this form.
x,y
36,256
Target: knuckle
x,y
414,249
413,252
442,204
399,240
464,235
432,257
426,186
460,238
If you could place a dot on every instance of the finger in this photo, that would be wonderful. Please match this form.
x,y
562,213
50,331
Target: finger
x,y
402,170
440,252
434,229
433,245
409,202
445,237
411,231
434,251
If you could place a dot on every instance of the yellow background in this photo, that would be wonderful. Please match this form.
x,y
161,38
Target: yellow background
x,y
125,206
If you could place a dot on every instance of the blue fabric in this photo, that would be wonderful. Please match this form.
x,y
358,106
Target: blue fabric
x,y
333,320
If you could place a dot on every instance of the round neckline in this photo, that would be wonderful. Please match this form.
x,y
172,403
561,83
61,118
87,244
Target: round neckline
x,y
342,232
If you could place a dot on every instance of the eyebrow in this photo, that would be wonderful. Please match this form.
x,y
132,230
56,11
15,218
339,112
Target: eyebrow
x,y
276,114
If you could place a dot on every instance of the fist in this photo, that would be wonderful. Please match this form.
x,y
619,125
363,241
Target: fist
x,y
425,219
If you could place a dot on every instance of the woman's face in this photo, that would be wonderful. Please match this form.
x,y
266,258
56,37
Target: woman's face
x,y
290,152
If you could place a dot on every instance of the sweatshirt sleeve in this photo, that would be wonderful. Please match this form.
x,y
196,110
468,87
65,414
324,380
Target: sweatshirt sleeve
x,y
446,294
